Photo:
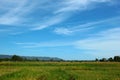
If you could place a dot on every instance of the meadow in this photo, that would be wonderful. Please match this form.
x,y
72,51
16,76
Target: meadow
x,y
59,71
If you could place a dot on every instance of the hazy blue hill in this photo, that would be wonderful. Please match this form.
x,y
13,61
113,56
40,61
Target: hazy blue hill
x,y
31,57
5,56
41,58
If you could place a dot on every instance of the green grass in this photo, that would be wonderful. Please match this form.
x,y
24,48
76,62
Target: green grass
x,y
59,71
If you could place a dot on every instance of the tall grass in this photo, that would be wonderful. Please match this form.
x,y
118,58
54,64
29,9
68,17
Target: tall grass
x,y
59,71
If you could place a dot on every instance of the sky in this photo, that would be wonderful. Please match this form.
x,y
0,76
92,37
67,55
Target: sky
x,y
68,29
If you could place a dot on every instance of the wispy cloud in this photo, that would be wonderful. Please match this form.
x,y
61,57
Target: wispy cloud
x,y
102,44
18,12
104,41
11,16
87,26
67,5
70,31
44,44
64,31
73,5
50,22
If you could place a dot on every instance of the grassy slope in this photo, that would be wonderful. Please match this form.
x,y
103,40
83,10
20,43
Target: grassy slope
x,y
59,71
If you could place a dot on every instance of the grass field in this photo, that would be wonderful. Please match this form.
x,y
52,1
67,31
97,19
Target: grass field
x,y
59,71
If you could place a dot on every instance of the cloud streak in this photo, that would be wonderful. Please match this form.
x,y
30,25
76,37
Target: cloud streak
x,y
11,16
107,40
104,41
68,6
102,44
74,5
52,21
16,12
87,26
44,44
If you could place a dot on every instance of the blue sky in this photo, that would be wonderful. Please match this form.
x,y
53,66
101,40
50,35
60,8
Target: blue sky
x,y
68,29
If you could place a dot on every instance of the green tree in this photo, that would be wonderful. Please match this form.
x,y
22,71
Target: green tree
x,y
16,58
103,60
117,58
110,59
96,59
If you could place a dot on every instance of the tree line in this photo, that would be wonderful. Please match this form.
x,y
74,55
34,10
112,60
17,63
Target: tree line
x,y
19,58
13,58
111,59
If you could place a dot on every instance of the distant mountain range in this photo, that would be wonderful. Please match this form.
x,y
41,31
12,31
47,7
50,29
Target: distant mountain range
x,y
32,58
5,56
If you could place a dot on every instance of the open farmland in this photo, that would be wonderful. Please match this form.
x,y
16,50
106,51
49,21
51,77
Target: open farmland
x,y
59,71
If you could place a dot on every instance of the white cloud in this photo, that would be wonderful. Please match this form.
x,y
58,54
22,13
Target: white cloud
x,y
15,12
64,31
10,16
44,44
50,22
104,44
73,5
104,41
87,26
67,5
70,31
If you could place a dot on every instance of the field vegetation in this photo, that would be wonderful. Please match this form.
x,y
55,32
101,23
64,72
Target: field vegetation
x,y
59,70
